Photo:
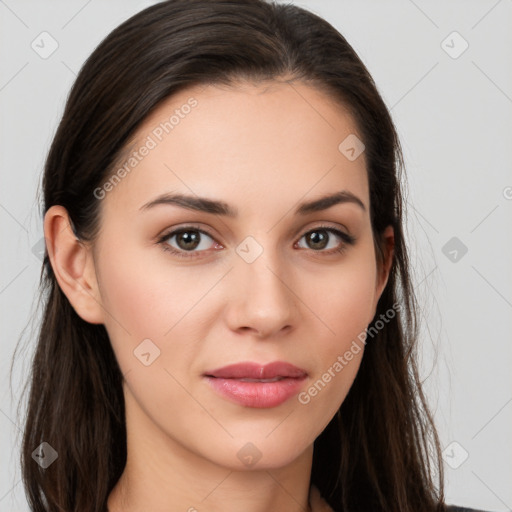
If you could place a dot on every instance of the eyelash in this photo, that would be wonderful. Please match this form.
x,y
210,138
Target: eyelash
x,y
162,240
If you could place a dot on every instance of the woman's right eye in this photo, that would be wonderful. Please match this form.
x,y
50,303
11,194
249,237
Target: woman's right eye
x,y
186,240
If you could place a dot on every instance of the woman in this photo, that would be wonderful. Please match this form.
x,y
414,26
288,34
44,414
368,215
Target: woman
x,y
229,318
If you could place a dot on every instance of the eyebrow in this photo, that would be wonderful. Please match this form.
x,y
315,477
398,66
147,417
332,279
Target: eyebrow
x,y
205,205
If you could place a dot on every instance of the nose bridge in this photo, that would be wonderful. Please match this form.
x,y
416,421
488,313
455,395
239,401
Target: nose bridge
x,y
265,301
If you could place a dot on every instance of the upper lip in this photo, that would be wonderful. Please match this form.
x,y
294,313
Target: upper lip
x,y
252,370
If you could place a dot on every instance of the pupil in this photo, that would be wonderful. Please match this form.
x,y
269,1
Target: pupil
x,y
189,241
318,237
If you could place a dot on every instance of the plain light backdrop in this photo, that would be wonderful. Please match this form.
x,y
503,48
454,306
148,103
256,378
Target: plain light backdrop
x,y
444,70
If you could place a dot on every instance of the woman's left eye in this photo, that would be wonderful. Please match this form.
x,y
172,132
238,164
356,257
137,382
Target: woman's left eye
x,y
321,238
188,239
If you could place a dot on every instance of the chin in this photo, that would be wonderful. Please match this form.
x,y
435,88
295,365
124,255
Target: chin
x,y
262,454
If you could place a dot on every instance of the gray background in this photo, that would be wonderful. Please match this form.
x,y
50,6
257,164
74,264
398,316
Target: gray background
x,y
454,116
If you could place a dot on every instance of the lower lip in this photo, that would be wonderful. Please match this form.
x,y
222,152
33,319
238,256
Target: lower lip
x,y
256,394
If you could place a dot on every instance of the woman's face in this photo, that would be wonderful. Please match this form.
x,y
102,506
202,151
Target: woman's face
x,y
268,282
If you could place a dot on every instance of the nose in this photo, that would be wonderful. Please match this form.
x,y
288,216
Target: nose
x,y
263,301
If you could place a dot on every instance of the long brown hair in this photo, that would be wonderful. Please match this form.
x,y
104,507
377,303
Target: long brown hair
x,y
381,451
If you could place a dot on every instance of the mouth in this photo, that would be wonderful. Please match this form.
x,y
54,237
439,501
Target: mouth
x,y
255,385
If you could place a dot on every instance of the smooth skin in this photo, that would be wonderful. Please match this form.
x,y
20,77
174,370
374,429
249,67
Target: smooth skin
x,y
263,149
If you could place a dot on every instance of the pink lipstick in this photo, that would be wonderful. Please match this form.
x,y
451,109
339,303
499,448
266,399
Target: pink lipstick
x,y
255,385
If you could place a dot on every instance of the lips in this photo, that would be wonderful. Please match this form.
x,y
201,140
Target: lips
x,y
255,385
257,372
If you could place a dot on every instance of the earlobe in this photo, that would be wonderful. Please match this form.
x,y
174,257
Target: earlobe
x,y
73,265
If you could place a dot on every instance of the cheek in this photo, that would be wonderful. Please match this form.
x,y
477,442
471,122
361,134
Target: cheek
x,y
144,294
146,298
344,303
344,298
138,304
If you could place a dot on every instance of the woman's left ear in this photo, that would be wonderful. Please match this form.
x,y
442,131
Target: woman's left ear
x,y
388,252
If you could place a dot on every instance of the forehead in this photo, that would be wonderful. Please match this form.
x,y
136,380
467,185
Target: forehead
x,y
272,140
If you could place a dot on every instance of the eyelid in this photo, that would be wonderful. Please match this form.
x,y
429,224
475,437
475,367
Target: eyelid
x,y
186,227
